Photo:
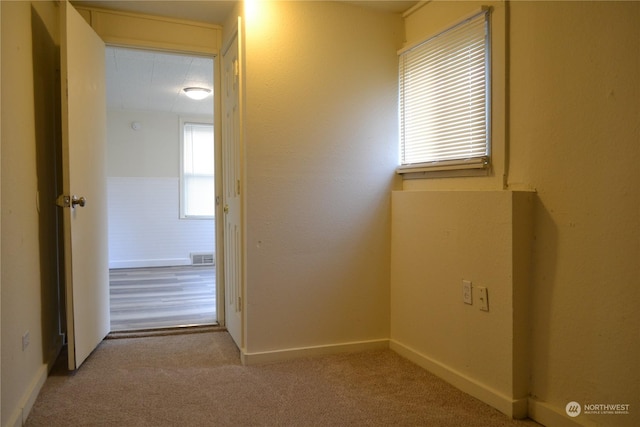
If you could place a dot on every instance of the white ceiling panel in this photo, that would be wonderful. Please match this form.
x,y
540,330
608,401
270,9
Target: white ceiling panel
x,y
153,81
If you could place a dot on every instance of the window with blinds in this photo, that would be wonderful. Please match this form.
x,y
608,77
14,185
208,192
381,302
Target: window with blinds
x,y
444,99
197,171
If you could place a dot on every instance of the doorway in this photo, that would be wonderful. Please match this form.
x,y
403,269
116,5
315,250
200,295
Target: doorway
x,y
161,190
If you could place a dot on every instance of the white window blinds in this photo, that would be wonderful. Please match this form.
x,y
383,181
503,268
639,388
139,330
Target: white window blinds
x,y
444,98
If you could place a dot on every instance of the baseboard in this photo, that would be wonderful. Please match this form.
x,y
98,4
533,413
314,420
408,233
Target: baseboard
x,y
20,414
142,263
549,415
299,352
515,408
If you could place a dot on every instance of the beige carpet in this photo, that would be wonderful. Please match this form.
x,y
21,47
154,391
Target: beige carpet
x,y
197,380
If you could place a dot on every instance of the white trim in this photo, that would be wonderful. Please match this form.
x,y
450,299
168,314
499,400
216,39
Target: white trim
x,y
141,263
428,135
515,408
549,415
445,165
150,17
414,8
117,37
476,12
299,352
233,34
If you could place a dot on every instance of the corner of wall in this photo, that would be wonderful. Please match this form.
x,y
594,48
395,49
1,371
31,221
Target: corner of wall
x,y
514,408
522,236
549,415
440,238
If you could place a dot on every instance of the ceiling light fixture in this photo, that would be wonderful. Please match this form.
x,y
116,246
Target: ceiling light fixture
x,y
197,93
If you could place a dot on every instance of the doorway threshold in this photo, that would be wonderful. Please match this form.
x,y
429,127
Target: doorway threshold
x,y
157,332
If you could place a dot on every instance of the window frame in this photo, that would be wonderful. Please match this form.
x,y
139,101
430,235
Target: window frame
x,y
472,166
182,181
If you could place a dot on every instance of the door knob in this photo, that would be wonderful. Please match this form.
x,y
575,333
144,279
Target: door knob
x,y
75,200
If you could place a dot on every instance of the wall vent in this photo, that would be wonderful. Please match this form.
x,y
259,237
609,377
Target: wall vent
x,y
202,259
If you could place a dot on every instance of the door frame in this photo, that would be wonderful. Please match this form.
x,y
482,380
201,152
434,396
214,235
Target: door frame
x,y
218,245
234,259
157,31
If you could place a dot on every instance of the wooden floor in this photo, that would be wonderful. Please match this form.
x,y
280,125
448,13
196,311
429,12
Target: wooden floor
x,y
162,297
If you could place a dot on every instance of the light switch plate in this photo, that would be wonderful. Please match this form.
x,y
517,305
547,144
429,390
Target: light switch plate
x,y
467,289
483,297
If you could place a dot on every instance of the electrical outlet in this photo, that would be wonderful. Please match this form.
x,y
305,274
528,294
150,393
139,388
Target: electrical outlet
x,y
483,297
467,296
25,340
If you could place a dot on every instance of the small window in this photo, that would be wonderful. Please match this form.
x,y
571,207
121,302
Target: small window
x,y
197,185
444,99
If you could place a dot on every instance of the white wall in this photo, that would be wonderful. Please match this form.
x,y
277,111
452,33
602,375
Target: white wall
x,y
29,134
320,114
446,230
145,229
573,136
152,151
435,16
440,238
318,216
30,128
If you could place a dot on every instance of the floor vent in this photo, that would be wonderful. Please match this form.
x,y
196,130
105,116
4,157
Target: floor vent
x,y
202,259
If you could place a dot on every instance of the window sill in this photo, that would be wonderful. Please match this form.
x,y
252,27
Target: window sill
x,y
446,169
206,217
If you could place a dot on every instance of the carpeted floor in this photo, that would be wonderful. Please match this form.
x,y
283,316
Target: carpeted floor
x,y
197,380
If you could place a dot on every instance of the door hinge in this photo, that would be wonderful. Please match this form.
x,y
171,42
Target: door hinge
x,y
239,307
236,68
238,185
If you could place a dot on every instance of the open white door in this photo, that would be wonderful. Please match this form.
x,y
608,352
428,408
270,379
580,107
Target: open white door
x,y
231,183
84,151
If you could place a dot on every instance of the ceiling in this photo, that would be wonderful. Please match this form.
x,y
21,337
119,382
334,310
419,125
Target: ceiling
x,y
153,81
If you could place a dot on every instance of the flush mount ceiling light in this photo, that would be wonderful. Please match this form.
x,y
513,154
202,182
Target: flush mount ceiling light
x,y
196,93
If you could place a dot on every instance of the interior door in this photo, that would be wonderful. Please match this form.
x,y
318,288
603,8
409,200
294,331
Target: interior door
x,y
231,183
84,184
